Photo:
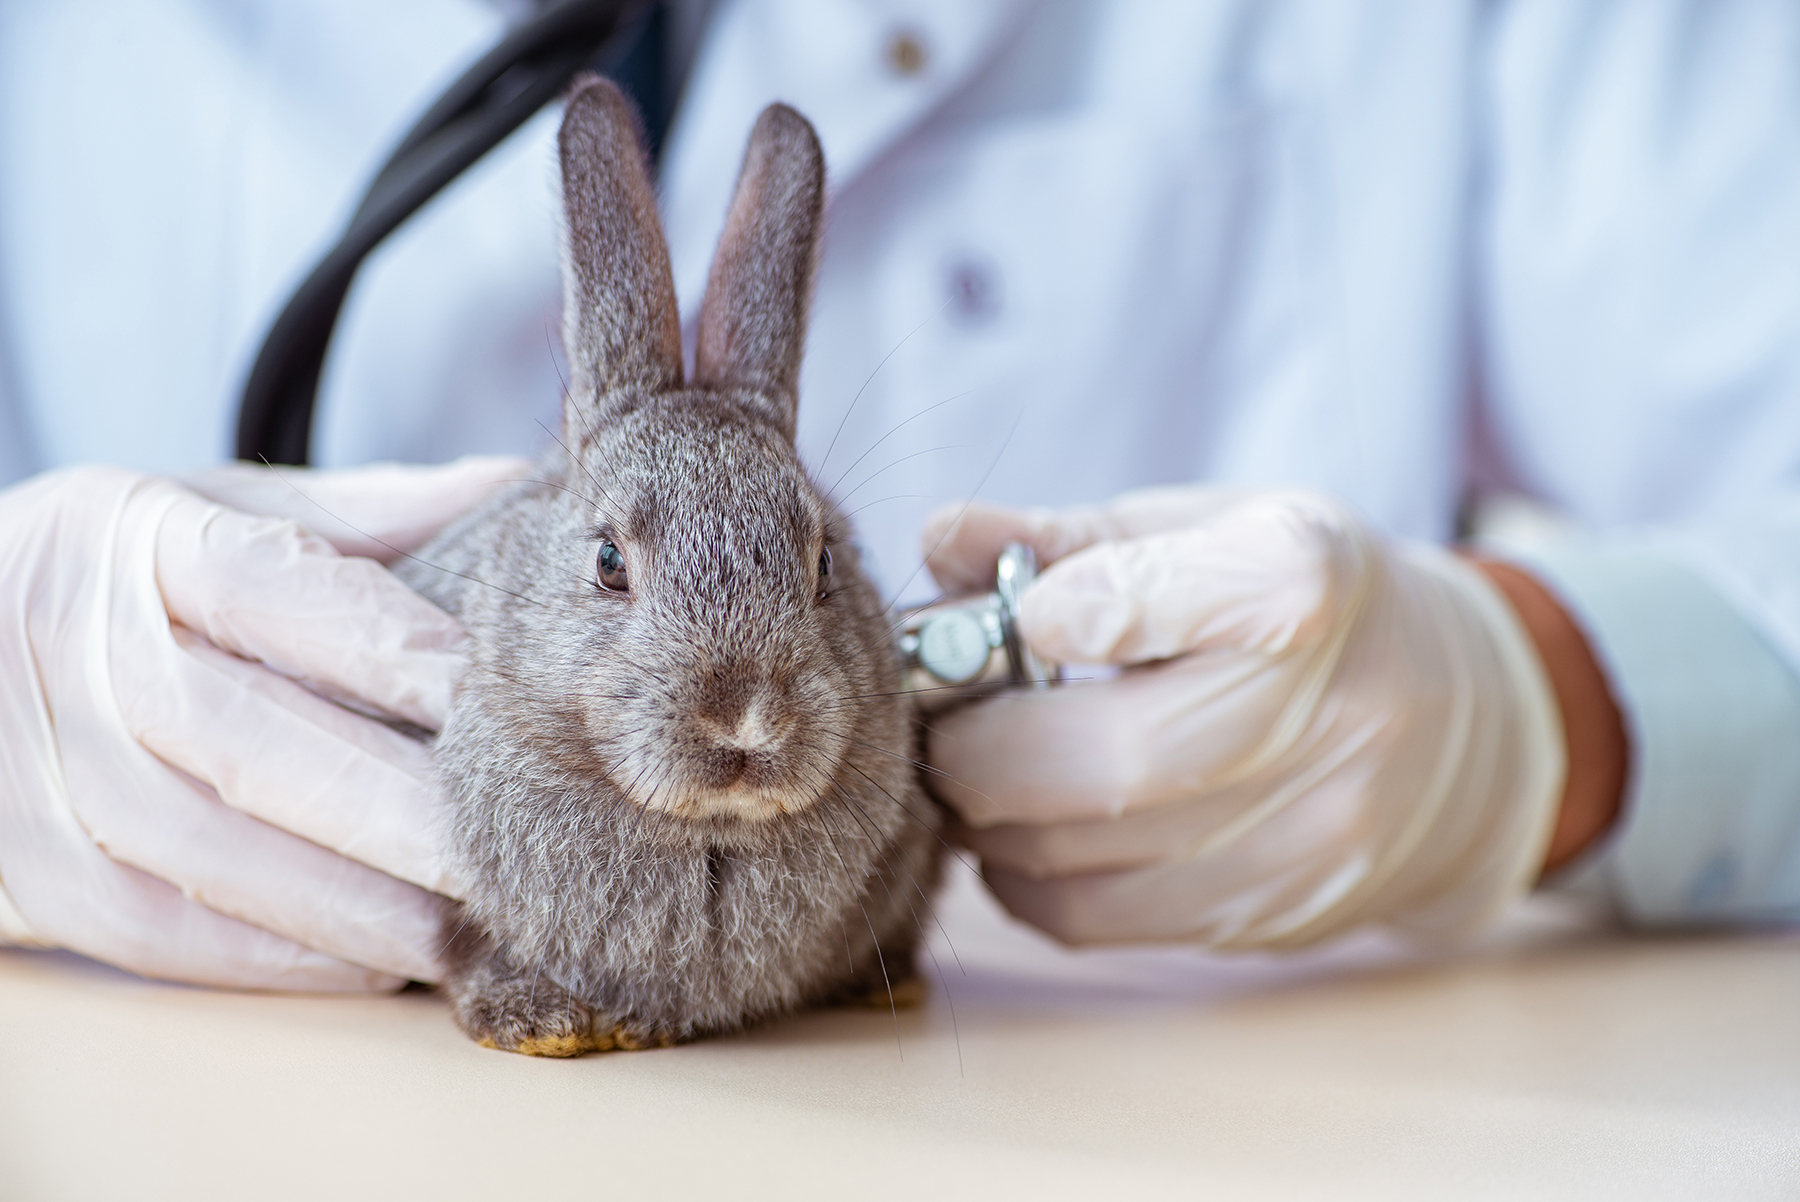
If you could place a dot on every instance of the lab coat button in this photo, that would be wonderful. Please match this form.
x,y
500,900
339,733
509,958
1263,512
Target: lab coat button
x,y
973,285
905,53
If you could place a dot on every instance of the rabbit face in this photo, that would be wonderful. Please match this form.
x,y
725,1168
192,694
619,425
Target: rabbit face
x,y
727,675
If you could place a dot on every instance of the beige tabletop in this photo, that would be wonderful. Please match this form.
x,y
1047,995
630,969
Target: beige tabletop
x,y
1557,1060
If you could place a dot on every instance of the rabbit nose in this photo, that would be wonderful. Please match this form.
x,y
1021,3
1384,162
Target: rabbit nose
x,y
739,718
752,732
736,738
743,727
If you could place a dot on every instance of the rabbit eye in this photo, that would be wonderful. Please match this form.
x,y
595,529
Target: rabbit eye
x,y
824,572
612,568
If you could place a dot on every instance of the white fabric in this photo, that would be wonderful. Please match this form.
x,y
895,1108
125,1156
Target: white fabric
x,y
173,168
1114,245
1313,730
1236,241
172,800
1711,824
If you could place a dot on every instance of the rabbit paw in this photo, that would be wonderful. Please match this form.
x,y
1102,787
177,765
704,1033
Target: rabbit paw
x,y
536,1017
518,1014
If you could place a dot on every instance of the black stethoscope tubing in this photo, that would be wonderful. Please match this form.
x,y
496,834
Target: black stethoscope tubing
x,y
526,71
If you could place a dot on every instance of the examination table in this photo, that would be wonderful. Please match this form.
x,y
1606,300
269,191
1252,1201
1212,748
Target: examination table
x,y
1557,1059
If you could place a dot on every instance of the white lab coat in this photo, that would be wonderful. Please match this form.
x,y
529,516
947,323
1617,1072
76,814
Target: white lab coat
x,y
1381,249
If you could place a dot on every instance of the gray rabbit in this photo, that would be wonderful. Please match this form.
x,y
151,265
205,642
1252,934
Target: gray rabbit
x,y
679,762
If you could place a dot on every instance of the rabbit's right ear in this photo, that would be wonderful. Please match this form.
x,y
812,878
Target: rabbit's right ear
x,y
753,320
621,327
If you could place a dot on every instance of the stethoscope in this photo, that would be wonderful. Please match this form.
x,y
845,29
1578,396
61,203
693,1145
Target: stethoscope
x,y
528,69
952,649
970,646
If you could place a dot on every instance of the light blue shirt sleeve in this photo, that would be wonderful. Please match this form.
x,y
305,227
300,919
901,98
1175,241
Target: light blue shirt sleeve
x,y
1710,829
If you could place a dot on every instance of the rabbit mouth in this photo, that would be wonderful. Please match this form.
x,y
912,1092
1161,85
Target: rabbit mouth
x,y
712,779
740,749
744,803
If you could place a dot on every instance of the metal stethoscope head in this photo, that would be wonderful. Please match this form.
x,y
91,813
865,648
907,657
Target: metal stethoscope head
x,y
969,647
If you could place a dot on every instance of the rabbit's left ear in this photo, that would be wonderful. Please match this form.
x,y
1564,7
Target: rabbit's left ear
x,y
620,327
753,321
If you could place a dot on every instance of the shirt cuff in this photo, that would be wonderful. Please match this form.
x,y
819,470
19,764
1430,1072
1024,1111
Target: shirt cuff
x,y
1710,827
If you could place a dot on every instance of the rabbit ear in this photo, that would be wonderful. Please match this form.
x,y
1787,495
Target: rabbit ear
x,y
620,323
753,322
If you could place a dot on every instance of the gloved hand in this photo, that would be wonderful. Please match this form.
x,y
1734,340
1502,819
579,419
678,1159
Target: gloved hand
x,y
1313,728
176,796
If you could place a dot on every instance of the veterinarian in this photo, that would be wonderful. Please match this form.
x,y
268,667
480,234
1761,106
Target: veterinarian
x,y
1324,272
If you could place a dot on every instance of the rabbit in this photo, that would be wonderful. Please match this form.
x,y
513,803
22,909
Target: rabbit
x,y
679,765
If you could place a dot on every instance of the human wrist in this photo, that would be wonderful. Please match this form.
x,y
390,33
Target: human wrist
x,y
1598,750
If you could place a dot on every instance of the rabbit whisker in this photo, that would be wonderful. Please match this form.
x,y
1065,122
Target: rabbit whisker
x,y
936,688
579,496
924,939
921,765
576,460
929,908
648,803
899,496
907,810
625,797
865,385
663,816
390,546
586,425
875,939
866,480
895,430
872,832
907,583
467,915
550,348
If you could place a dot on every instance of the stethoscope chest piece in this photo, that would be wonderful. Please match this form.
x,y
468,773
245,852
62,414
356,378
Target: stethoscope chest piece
x,y
970,646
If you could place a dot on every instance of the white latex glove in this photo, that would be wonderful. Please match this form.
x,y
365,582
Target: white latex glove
x,y
1314,729
171,800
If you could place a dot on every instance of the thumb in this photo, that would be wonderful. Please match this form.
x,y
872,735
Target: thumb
x,y
962,543
266,590
377,511
1264,574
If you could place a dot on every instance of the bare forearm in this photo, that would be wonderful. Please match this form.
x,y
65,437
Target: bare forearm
x,y
1594,730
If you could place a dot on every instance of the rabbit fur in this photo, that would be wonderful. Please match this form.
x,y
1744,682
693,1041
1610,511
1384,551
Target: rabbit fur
x,y
688,805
